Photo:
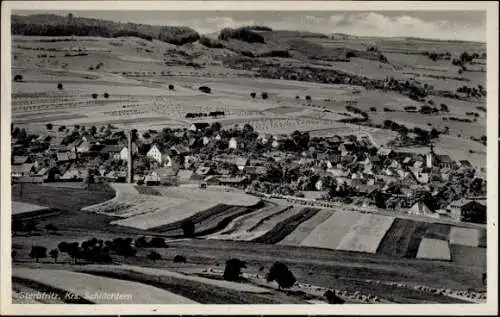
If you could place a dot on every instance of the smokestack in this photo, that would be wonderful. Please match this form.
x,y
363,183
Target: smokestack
x,y
130,177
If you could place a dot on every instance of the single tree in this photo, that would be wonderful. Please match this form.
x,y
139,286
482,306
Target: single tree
x,y
264,95
280,273
233,268
253,94
49,126
18,78
171,87
308,98
188,228
54,254
106,95
38,252
154,256
60,86
94,96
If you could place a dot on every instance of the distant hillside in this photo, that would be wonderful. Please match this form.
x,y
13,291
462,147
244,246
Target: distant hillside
x,y
55,25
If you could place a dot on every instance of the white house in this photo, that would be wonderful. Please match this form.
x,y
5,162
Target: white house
x,y
159,155
233,143
124,152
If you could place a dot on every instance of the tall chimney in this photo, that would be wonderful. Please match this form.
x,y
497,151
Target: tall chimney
x,y
130,177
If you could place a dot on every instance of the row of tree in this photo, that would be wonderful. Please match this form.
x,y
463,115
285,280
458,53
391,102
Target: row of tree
x,y
213,114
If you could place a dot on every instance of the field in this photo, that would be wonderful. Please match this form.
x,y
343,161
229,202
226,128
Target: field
x,y
397,240
434,249
88,287
134,74
331,232
303,230
21,208
57,197
464,236
366,234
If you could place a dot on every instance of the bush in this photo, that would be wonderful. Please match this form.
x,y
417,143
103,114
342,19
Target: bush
x,y
106,95
180,259
94,96
178,35
244,34
331,298
18,78
280,273
253,94
373,109
233,268
154,256
157,242
297,97
60,86
210,43
205,89
264,95
171,87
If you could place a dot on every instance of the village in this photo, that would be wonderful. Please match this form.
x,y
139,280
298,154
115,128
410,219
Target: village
x,y
346,170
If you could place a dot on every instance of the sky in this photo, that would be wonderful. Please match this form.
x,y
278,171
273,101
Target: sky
x,y
446,25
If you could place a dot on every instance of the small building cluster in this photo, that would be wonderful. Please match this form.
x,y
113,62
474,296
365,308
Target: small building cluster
x,y
348,169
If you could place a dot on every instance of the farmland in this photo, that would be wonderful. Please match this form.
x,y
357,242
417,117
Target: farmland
x,y
434,249
70,281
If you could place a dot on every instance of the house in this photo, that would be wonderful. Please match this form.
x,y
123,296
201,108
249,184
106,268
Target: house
x,y
160,155
420,208
255,170
74,174
422,178
124,152
112,151
409,179
205,140
334,140
464,163
152,179
234,143
407,161
346,148
444,161
234,181
89,138
179,150
34,179
468,210
116,176
385,153
22,170
199,126
204,171
65,157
